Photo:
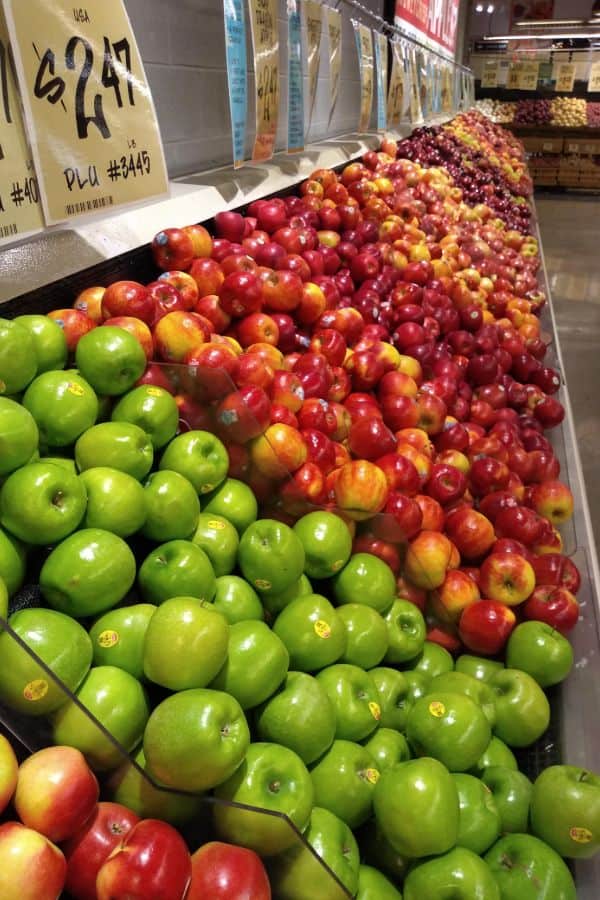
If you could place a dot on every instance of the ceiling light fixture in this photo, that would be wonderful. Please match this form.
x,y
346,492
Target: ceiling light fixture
x,y
542,37
490,8
479,7
551,22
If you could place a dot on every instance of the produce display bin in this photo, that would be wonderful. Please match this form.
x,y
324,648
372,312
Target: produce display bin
x,y
574,733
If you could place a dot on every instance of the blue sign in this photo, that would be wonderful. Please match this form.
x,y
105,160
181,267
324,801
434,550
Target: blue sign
x,y
235,47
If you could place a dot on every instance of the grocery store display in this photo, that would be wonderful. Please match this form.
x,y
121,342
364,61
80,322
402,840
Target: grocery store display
x,y
499,111
569,112
304,529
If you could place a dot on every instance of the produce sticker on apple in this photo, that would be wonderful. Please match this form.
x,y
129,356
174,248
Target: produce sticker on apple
x,y
88,108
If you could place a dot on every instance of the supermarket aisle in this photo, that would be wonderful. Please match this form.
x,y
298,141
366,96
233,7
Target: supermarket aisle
x,y
570,226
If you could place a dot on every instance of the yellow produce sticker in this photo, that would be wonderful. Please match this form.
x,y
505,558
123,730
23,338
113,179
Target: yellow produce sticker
x,y
372,776
437,709
35,690
217,524
375,710
580,835
262,584
337,565
154,392
322,629
108,638
75,389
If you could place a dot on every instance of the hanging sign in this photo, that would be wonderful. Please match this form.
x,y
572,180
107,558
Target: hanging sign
x,y
396,88
446,90
237,75
295,141
381,64
565,77
514,76
528,76
364,46
265,41
88,108
334,31
415,104
433,22
594,79
424,83
20,210
489,76
314,26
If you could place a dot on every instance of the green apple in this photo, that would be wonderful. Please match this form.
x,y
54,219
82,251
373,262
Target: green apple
x,y
200,457
18,362
376,850
355,699
394,697
118,637
512,792
312,631
299,875
42,503
256,664
219,540
63,405
135,790
367,635
235,501
3,600
478,691
522,708
116,502
63,462
110,359
273,778
18,436
458,874
495,754
526,868
151,408
172,507
406,632
327,543
479,821
185,644
49,342
118,445
300,716
12,562
418,685
565,810
540,650
89,572
176,569
450,727
237,600
478,667
116,700
365,579
416,806
372,885
274,603
344,780
195,739
388,747
270,555
432,661
58,641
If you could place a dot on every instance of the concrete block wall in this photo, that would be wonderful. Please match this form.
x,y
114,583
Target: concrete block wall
x,y
182,44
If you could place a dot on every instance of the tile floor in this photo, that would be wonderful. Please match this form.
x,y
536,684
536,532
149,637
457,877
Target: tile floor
x,y
570,228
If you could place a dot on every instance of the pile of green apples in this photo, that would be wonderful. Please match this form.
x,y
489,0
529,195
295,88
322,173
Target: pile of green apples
x,y
266,665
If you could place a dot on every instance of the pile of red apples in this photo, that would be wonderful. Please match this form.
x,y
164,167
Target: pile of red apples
x,y
371,344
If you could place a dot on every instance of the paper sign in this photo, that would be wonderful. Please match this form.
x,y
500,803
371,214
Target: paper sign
x,y
314,26
424,84
364,46
237,75
514,74
334,30
295,141
565,77
594,79
528,76
489,76
381,63
88,107
20,210
446,90
265,41
396,88
415,105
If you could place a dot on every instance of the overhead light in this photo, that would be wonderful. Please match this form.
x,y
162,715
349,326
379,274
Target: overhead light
x,y
542,37
553,22
479,7
490,8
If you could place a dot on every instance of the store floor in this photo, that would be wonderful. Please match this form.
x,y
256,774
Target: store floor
x,y
570,227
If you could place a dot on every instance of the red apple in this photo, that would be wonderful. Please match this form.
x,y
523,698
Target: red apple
x,y
230,225
89,848
506,577
519,523
31,867
556,606
400,472
89,301
128,298
433,514
184,283
138,329
456,593
244,414
208,275
471,531
241,294
558,570
179,332
361,489
74,322
553,500
226,872
258,328
278,452
485,626
446,484
370,438
400,519
386,551
202,242
428,559
172,249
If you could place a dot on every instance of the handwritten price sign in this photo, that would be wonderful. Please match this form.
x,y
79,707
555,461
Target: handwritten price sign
x,y
95,138
263,19
514,75
528,76
489,77
594,79
565,77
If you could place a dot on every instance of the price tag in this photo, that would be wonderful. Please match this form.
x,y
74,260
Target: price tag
x,y
424,84
514,74
364,46
88,107
314,27
415,105
565,77
295,140
237,75
489,76
20,210
265,41
594,79
396,87
528,76
334,30
446,91
381,62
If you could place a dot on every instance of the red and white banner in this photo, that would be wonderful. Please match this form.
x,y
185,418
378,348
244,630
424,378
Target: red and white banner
x,y
431,21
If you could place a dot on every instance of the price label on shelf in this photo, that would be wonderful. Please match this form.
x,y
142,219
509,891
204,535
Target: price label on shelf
x,y
489,76
88,108
528,76
314,27
514,76
334,31
381,61
594,79
396,88
265,40
364,46
20,210
295,141
237,75
565,77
